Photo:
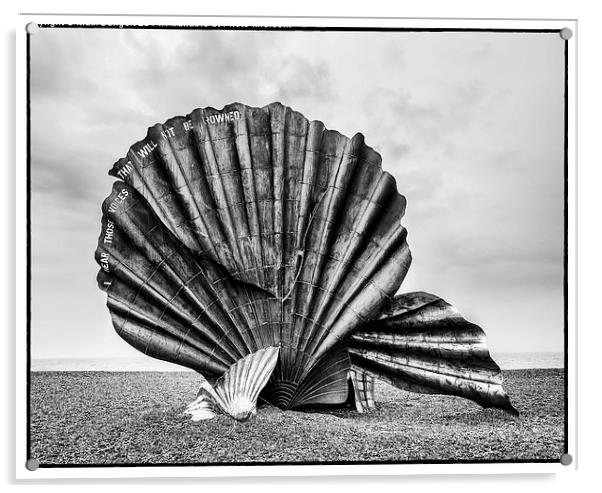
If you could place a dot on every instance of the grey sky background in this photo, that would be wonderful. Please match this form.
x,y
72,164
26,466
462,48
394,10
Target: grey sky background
x,y
470,124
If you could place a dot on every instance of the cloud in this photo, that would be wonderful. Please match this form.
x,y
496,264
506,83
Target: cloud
x,y
302,79
470,125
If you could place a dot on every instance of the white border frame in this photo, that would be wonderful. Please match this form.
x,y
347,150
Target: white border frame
x,y
277,470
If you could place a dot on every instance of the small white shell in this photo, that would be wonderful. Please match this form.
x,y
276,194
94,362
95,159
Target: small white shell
x,y
236,392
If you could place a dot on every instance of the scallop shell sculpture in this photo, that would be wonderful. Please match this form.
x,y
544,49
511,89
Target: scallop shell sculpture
x,y
265,251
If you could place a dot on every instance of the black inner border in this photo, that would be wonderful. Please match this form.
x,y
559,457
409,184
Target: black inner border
x,y
297,28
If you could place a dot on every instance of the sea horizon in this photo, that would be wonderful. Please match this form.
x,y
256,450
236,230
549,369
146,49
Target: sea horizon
x,y
506,361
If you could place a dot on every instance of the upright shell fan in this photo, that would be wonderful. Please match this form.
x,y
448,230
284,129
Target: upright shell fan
x,y
244,229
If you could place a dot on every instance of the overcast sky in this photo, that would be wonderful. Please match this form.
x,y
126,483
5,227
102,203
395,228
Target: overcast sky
x,y
470,124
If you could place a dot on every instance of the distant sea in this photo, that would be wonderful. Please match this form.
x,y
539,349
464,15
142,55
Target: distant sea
x,y
507,361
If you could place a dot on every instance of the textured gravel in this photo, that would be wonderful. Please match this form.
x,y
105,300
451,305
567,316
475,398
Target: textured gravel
x,y
131,417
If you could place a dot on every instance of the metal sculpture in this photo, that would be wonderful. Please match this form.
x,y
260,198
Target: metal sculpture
x,y
264,251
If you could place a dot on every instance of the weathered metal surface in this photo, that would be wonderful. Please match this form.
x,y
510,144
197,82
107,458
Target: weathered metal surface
x,y
239,229
421,343
362,384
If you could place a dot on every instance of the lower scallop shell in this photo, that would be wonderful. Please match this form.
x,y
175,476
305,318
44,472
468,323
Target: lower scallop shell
x,y
422,344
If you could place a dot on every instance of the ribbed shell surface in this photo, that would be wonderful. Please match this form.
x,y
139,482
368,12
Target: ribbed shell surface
x,y
244,228
238,389
422,344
